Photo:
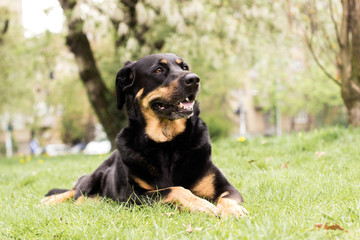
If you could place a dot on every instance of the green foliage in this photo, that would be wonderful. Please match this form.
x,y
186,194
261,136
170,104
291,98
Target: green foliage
x,y
76,113
218,127
15,87
71,128
224,42
284,203
26,67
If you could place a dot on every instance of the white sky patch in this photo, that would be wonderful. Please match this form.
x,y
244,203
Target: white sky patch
x,y
41,15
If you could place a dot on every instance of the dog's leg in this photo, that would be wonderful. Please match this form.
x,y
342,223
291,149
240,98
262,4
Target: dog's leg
x,y
57,198
216,188
83,199
184,199
229,204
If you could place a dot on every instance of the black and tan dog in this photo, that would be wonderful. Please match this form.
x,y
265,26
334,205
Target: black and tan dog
x,y
164,152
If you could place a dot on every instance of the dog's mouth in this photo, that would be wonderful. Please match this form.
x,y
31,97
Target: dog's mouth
x,y
174,110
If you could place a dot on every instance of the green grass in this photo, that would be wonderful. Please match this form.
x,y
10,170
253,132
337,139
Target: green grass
x,y
284,203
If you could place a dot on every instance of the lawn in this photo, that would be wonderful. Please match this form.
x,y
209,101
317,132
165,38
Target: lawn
x,y
289,184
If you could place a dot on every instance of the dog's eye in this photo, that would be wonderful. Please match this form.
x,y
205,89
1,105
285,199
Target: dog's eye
x,y
159,70
186,68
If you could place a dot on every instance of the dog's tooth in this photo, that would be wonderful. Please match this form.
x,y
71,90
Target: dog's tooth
x,y
187,99
181,105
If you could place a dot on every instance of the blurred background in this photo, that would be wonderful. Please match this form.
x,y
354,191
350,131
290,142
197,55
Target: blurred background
x,y
266,67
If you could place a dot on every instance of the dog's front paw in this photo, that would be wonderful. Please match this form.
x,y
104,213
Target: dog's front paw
x,y
201,205
186,200
231,207
232,210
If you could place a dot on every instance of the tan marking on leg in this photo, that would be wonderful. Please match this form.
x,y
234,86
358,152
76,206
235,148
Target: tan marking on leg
x,y
143,184
224,194
164,61
83,199
205,187
188,201
179,61
80,200
57,198
230,207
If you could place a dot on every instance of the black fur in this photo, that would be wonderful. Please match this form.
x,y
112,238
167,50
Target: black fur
x,y
181,161
55,191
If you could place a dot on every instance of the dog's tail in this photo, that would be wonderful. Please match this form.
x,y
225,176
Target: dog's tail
x,y
56,191
56,195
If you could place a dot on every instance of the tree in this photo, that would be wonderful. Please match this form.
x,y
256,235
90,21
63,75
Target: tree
x,y
248,35
282,72
348,63
347,52
100,97
167,23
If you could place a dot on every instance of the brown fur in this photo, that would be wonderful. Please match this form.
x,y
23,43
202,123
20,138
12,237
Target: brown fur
x,y
58,198
139,93
82,199
143,184
205,187
228,206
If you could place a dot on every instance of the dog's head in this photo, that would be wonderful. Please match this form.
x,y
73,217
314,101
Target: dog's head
x,y
161,84
160,89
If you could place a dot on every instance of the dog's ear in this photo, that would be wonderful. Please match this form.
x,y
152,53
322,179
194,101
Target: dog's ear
x,y
124,80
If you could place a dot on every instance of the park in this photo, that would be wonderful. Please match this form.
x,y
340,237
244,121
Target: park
x,y
277,84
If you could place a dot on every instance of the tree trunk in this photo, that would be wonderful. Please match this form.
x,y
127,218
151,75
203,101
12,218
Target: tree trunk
x,y
102,99
349,59
354,114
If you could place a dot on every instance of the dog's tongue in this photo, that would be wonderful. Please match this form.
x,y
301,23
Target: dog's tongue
x,y
186,105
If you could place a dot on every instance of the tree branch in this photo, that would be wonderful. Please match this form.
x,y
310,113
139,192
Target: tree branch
x,y
6,26
335,24
309,44
327,49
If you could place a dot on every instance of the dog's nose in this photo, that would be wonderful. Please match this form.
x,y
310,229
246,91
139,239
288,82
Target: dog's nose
x,y
191,80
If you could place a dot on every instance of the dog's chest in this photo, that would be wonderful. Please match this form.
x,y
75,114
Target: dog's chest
x,y
171,168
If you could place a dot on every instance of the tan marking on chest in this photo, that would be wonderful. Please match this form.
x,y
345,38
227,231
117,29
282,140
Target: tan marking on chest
x,y
164,130
205,187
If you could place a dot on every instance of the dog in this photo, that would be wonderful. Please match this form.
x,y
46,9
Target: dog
x,y
164,152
